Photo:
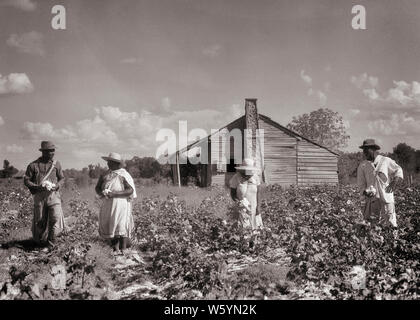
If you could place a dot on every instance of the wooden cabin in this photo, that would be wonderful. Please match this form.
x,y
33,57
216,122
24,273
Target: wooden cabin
x,y
285,157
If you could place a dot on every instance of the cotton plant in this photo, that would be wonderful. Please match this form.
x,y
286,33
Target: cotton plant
x,y
371,191
106,192
48,185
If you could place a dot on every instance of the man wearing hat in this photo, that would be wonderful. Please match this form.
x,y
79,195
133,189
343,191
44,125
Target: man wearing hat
x,y
44,177
377,177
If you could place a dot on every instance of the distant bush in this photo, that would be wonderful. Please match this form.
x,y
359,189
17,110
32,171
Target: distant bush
x,y
147,169
8,170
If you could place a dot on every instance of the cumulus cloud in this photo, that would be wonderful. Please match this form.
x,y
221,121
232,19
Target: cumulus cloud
x,y
319,95
364,81
353,112
110,127
25,5
31,43
322,98
163,109
397,124
14,149
15,83
371,94
236,111
212,51
131,133
1,121
404,93
346,124
45,130
306,78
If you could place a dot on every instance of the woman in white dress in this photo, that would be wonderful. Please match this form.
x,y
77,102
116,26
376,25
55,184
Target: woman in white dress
x,y
245,190
116,188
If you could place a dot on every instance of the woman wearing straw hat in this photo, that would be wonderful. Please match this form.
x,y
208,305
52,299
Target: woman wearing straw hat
x,y
117,189
245,186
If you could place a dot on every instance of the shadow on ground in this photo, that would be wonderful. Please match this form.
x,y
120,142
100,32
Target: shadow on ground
x,y
26,245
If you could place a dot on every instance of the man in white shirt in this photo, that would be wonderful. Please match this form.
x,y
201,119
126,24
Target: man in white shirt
x,y
377,177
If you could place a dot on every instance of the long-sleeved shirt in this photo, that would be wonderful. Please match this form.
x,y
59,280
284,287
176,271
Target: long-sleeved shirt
x,y
378,174
37,170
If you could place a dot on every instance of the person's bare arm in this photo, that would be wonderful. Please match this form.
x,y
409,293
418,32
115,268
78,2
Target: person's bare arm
x,y
98,187
397,174
233,194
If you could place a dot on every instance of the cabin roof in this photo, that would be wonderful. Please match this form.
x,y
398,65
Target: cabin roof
x,y
19,174
293,133
264,118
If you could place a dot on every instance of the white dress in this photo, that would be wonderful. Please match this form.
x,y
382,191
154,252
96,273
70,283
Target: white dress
x,y
247,189
115,216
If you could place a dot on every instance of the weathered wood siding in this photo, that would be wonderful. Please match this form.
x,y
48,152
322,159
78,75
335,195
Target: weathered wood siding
x,y
279,155
224,138
315,165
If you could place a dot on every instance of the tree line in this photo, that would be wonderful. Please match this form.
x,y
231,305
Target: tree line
x,y
406,156
143,168
8,170
327,128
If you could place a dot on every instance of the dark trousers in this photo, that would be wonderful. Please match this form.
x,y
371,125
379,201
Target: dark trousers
x,y
48,220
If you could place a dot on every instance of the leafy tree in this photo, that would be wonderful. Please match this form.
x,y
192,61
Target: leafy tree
x,y
406,157
95,171
323,126
347,166
134,171
147,167
417,156
8,170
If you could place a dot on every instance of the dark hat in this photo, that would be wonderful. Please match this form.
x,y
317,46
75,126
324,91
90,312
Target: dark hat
x,y
369,143
47,145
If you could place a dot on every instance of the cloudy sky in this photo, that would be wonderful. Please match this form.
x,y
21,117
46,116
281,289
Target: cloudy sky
x,y
123,69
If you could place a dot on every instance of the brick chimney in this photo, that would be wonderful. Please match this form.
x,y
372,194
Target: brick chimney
x,y
252,148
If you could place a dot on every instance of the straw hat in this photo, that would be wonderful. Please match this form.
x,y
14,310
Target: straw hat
x,y
370,143
113,156
248,164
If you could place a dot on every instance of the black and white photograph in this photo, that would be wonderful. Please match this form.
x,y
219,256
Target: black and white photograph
x,y
221,152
